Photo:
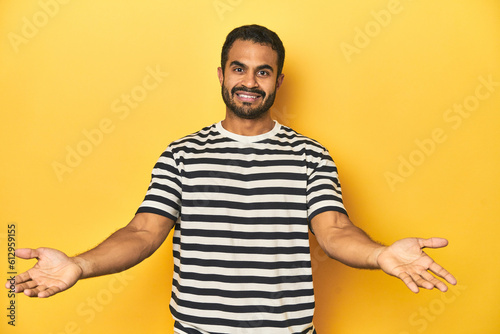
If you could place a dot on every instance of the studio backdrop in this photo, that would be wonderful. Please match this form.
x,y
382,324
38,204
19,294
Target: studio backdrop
x,y
404,94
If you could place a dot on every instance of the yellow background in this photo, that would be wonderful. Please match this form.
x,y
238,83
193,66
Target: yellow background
x,y
375,81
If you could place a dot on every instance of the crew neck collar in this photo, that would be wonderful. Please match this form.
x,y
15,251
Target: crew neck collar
x,y
248,139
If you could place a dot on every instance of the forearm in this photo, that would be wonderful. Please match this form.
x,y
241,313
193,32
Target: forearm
x,y
126,247
122,250
353,247
345,242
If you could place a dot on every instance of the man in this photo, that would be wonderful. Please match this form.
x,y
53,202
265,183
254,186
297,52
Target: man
x,y
242,195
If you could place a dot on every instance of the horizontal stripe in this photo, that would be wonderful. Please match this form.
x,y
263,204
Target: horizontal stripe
x,y
238,249
242,279
214,310
244,163
215,254
233,295
217,310
244,298
186,328
245,235
211,188
243,184
241,242
278,199
195,216
245,177
244,264
301,274
155,210
263,216
212,203
255,322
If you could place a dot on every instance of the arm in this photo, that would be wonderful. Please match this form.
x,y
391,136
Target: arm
x,y
126,247
343,241
55,272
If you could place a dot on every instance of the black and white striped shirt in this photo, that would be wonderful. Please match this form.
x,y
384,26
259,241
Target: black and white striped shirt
x,y
242,207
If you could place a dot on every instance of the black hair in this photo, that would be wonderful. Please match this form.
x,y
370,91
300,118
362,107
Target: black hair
x,y
256,34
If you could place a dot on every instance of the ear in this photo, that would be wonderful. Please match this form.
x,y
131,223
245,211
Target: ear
x,y
279,81
220,74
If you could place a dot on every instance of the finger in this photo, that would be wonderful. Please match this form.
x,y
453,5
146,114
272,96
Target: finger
x,y
410,283
421,281
23,277
433,243
25,286
35,291
443,273
10,284
49,292
434,282
27,253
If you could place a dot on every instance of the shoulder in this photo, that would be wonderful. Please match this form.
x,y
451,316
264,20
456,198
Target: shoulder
x,y
207,133
297,139
199,140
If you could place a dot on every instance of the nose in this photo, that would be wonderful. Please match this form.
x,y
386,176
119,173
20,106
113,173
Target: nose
x,y
249,80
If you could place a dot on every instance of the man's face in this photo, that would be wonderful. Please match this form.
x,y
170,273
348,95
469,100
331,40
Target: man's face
x,y
250,81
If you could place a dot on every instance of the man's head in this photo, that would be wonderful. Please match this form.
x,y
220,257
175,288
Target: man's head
x,y
250,73
257,34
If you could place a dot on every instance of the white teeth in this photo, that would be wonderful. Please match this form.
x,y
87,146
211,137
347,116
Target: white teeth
x,y
247,96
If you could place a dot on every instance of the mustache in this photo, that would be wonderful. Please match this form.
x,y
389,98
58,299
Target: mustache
x,y
248,90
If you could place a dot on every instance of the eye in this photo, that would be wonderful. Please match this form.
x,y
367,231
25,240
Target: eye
x,y
263,73
238,70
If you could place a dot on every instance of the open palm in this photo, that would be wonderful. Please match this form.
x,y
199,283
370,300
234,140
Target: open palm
x,y
406,260
54,272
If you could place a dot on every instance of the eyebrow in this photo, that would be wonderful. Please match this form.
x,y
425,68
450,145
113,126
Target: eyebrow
x,y
260,67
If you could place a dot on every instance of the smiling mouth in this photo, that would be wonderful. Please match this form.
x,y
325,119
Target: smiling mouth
x,y
246,97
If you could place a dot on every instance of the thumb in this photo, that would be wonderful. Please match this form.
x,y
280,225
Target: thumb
x,y
433,243
27,253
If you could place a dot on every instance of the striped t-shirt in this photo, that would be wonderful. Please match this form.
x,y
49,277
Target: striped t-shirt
x,y
242,207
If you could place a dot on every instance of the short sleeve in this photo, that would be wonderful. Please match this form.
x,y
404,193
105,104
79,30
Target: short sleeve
x,y
323,185
164,194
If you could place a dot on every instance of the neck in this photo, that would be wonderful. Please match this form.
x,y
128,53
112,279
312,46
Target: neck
x,y
248,127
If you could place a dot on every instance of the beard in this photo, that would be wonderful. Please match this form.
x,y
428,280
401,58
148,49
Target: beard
x,y
246,111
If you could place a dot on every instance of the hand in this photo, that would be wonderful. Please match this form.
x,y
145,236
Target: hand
x,y
54,272
406,260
